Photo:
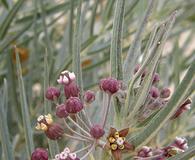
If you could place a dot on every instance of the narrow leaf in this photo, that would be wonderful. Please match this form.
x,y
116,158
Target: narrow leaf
x,y
130,61
25,112
116,49
4,132
9,18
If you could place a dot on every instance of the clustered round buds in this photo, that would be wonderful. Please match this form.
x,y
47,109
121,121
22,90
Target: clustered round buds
x,y
178,146
183,108
109,85
66,155
89,96
39,154
52,130
145,152
97,131
61,111
74,105
52,93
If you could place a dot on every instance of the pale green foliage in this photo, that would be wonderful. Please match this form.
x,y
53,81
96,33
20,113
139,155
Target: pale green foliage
x,y
95,39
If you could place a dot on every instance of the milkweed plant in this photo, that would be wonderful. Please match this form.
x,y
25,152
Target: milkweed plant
x,y
97,80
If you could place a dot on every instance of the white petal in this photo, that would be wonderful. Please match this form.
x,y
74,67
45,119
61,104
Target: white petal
x,y
72,76
66,150
64,72
63,155
73,155
65,80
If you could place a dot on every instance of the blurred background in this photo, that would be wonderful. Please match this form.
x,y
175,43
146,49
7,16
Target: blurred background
x,y
43,30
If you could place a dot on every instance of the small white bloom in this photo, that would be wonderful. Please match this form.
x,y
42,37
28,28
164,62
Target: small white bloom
x,y
41,117
63,155
65,80
72,155
57,157
72,76
120,141
67,150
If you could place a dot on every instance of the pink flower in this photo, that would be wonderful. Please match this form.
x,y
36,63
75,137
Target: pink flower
x,y
165,93
145,152
110,85
61,111
154,92
89,96
71,90
52,93
156,78
97,131
54,131
39,154
74,105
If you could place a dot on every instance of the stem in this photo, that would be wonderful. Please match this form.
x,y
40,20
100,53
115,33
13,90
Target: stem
x,y
78,117
106,110
76,138
84,131
83,149
78,134
87,117
93,146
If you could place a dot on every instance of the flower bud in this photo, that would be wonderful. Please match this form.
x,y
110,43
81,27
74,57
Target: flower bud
x,y
54,131
183,108
89,96
145,152
165,93
52,93
61,111
180,143
71,90
39,154
154,92
110,85
156,78
97,131
74,105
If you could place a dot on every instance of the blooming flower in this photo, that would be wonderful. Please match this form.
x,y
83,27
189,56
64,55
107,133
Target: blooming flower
x,y
52,130
117,144
39,154
66,77
97,131
109,85
145,152
66,155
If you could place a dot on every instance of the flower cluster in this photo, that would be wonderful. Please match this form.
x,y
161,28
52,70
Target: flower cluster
x,y
179,145
66,155
158,98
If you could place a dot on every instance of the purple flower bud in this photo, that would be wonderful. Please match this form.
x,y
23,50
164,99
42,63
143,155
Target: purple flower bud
x,y
97,131
71,90
110,85
54,131
180,143
74,105
165,93
145,152
154,92
39,154
156,78
52,93
183,108
89,96
61,111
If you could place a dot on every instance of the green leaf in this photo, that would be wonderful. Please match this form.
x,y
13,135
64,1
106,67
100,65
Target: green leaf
x,y
9,18
4,132
164,115
185,155
25,112
130,60
116,51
